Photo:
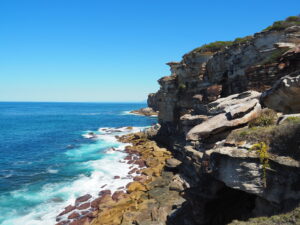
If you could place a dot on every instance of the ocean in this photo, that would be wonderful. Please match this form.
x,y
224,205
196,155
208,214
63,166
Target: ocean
x,y
49,157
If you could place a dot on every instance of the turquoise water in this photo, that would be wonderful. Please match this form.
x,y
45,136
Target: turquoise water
x,y
47,159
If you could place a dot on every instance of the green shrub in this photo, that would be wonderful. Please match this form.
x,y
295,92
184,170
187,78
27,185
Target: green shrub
x,y
182,86
268,117
262,149
283,139
293,19
283,24
213,47
292,119
242,40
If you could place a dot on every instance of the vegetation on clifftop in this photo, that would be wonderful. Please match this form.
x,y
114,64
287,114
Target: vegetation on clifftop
x,y
283,139
221,45
283,24
213,47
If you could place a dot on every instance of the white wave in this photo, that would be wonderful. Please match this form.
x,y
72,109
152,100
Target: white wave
x,y
52,171
89,134
104,172
90,114
126,113
102,177
6,173
22,163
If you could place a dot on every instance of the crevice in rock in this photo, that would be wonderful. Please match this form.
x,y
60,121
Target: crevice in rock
x,y
216,204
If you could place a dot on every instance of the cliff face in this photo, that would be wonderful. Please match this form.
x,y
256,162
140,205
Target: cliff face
x,y
240,159
203,77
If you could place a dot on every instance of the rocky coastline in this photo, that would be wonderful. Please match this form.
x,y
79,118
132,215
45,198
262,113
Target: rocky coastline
x,y
227,146
150,198
148,111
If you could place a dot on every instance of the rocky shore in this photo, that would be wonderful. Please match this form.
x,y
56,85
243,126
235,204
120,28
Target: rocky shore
x,y
148,111
227,147
149,199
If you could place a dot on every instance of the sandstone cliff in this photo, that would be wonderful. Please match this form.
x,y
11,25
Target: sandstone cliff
x,y
222,112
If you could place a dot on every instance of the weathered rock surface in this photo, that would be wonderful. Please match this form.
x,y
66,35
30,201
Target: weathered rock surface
x,y
284,95
145,112
255,63
241,169
206,111
151,198
229,112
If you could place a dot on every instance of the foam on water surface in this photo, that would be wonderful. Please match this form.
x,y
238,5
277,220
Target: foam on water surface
x,y
103,158
52,153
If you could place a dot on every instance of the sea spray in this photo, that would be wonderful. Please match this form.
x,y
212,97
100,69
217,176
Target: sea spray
x,y
47,161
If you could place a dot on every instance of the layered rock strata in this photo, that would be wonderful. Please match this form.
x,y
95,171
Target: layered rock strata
x,y
203,77
238,158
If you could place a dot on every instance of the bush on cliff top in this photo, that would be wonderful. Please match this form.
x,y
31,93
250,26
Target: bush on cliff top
x,y
283,24
221,45
213,47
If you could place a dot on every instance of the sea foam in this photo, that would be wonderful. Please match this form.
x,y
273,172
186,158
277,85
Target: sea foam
x,y
52,198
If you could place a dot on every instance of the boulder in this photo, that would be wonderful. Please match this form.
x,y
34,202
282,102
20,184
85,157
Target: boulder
x,y
228,112
241,169
118,195
178,184
172,163
135,186
68,209
134,170
63,222
284,95
83,198
105,192
73,215
152,131
82,221
95,203
145,112
84,206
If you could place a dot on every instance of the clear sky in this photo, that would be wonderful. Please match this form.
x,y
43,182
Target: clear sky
x,y
113,50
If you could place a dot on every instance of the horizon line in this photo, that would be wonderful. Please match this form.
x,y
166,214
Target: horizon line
x,y
1,101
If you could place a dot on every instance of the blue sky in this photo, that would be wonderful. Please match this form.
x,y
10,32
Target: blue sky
x,y
114,50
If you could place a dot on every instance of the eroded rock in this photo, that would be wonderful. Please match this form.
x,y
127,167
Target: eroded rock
x,y
284,95
229,112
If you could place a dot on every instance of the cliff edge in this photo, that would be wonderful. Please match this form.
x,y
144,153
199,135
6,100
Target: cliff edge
x,y
229,113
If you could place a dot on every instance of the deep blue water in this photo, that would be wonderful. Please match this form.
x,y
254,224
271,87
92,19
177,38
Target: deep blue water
x,y
42,152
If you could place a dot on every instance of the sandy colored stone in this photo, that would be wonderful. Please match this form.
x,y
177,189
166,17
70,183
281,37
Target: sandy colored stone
x,y
135,186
